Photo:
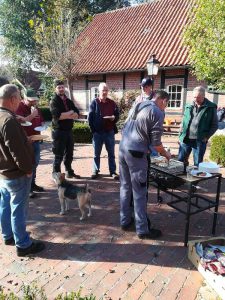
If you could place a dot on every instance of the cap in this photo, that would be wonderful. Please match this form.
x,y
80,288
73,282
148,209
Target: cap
x,y
146,82
58,82
31,95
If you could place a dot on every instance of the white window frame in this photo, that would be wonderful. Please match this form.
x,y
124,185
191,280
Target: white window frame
x,y
172,90
94,92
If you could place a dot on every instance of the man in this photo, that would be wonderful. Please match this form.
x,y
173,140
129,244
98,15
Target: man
x,y
146,94
29,111
198,125
64,112
146,91
143,127
102,118
15,175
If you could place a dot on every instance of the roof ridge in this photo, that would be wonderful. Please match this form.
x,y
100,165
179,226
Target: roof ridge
x,y
127,7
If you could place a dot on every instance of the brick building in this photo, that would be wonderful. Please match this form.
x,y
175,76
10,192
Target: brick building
x,y
117,45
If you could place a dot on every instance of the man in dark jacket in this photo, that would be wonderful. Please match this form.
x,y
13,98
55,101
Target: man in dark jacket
x,y
198,125
102,118
15,175
64,112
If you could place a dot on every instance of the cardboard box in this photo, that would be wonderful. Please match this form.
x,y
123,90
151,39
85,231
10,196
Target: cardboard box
x,y
217,282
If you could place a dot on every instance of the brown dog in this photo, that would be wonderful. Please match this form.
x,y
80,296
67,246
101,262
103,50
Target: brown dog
x,y
68,191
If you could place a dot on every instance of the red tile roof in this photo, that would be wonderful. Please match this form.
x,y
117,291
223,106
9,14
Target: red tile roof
x,y
124,39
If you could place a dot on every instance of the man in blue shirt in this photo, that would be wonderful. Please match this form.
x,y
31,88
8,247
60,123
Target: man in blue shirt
x,y
143,127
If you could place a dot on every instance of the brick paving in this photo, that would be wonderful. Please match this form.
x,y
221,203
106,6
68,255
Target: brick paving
x,y
95,254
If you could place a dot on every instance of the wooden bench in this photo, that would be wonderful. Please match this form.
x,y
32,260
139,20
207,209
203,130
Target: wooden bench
x,y
171,129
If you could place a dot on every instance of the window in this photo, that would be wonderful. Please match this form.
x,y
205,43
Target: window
x,y
175,92
94,92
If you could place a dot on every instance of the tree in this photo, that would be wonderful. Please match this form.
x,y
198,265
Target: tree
x,y
14,26
57,47
204,37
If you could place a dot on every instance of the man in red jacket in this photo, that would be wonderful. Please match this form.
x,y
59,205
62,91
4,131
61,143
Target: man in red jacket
x,y
31,113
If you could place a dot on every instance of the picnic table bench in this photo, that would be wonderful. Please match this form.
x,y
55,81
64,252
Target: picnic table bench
x,y
172,129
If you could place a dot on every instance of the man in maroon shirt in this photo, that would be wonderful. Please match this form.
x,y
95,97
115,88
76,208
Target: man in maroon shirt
x,y
102,118
30,113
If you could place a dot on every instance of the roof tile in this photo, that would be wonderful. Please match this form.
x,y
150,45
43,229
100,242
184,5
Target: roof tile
x,y
124,39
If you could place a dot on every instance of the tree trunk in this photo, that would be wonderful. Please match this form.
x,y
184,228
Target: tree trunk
x,y
70,88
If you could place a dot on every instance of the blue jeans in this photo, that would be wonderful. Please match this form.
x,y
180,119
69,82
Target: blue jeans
x,y
197,147
37,151
13,203
107,138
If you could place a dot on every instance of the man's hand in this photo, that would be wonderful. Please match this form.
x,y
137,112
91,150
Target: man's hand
x,y
20,119
34,113
167,155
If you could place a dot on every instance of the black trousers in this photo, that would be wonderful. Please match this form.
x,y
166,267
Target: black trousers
x,y
62,148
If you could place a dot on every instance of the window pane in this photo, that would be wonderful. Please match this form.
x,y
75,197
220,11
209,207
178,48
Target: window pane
x,y
173,96
172,103
178,96
174,88
179,88
178,103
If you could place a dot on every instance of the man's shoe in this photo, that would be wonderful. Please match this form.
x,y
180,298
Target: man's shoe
x,y
115,176
32,194
94,176
152,234
37,188
10,242
35,247
129,227
72,175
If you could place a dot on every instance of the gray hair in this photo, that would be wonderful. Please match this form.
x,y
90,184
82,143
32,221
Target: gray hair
x,y
7,91
199,89
102,85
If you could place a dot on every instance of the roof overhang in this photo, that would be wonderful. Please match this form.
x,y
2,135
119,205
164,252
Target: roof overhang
x,y
134,70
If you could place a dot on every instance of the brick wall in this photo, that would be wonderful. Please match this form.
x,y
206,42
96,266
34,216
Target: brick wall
x,y
115,81
132,81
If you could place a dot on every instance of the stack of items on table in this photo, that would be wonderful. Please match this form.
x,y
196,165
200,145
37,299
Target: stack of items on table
x,y
212,257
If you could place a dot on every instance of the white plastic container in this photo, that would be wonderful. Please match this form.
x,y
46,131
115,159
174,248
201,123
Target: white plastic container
x,y
210,167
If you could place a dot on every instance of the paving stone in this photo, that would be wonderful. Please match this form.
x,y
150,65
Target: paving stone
x,y
95,254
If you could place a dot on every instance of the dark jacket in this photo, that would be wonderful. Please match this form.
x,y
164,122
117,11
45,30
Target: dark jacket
x,y
57,107
207,125
95,118
15,151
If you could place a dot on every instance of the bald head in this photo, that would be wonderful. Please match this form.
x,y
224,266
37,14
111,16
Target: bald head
x,y
9,97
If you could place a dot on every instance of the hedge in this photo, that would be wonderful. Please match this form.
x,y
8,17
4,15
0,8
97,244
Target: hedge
x,y
217,149
46,113
82,133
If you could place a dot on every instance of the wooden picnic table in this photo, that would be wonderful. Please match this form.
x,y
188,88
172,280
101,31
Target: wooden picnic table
x,y
172,129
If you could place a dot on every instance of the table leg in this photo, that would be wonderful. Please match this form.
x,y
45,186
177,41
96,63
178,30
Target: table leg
x,y
187,215
217,204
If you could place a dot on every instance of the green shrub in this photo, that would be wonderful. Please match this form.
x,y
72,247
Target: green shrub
x,y
82,133
46,113
217,150
33,292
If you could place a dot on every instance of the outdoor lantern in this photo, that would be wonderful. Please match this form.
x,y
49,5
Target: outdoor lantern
x,y
153,66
